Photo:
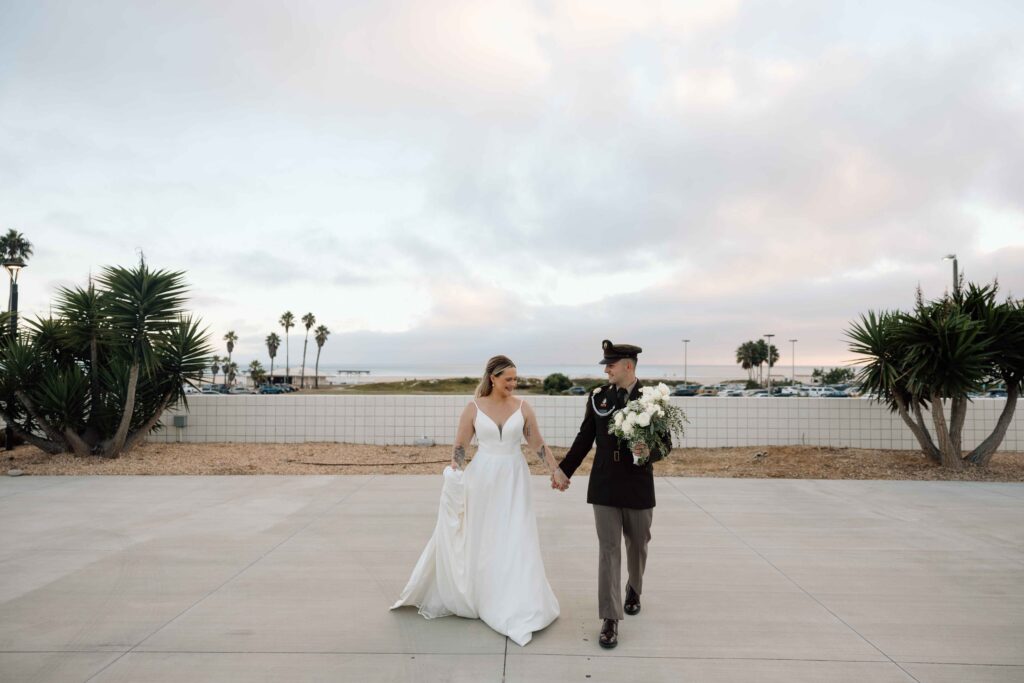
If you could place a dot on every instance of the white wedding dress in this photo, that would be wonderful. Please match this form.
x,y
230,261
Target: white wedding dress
x,y
483,560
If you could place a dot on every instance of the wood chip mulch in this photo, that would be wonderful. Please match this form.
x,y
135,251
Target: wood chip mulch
x,y
786,462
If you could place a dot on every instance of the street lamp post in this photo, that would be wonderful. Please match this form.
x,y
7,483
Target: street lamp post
x,y
956,276
769,337
686,380
793,357
13,267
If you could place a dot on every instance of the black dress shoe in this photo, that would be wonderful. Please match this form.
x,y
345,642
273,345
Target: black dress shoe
x,y
609,637
632,604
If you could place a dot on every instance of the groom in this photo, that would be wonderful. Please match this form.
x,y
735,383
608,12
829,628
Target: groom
x,y
622,493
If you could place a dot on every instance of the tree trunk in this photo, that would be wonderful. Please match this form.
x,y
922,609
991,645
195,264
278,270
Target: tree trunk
x,y
305,345
935,455
113,447
51,432
918,430
79,445
49,446
957,417
316,377
987,448
94,382
949,458
144,430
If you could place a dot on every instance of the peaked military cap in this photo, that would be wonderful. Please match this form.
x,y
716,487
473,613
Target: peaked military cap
x,y
614,352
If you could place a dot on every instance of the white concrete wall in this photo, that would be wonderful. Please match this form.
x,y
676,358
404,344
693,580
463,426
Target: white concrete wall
x,y
398,420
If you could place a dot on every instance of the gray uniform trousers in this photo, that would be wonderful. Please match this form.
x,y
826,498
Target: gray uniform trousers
x,y
612,524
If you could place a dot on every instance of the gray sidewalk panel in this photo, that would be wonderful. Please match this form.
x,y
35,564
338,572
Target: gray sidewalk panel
x,y
237,578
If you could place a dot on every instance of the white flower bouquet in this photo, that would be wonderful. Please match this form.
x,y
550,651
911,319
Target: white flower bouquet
x,y
649,420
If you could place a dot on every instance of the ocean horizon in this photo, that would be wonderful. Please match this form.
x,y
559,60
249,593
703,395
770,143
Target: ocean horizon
x,y
700,373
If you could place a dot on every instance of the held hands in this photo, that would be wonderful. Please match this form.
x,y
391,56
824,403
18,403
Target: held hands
x,y
559,480
641,451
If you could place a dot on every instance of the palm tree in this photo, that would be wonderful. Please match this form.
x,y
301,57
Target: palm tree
x,y
257,373
230,369
273,343
214,368
230,338
745,354
320,337
287,321
764,354
13,245
308,320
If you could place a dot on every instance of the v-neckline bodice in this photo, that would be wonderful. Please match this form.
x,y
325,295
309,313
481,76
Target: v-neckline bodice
x,y
501,426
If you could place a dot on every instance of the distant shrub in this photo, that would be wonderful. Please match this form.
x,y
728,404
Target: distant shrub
x,y
556,383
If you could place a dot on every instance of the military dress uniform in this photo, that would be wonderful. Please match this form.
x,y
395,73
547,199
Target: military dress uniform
x,y
622,493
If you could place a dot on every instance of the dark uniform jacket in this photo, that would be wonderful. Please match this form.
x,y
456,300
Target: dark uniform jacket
x,y
614,479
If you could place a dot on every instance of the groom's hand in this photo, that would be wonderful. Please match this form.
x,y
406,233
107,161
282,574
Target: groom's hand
x,y
640,450
559,480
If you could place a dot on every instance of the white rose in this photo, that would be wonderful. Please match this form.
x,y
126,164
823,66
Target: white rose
x,y
627,429
663,389
643,419
618,419
631,419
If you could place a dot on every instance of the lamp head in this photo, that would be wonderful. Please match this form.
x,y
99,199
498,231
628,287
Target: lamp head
x,y
14,267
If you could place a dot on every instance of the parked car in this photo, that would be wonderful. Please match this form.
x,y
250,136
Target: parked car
x,y
211,392
760,393
271,389
707,391
576,391
189,389
683,392
996,393
239,390
829,392
731,392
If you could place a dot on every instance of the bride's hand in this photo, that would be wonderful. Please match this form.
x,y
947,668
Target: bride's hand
x,y
455,465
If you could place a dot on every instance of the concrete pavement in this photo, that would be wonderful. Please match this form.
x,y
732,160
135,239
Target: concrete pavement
x,y
274,578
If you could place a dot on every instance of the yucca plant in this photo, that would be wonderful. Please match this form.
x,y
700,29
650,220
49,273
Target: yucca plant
x,y
942,351
96,378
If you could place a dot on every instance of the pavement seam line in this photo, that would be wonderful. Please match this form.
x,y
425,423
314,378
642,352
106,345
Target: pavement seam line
x,y
235,576
672,483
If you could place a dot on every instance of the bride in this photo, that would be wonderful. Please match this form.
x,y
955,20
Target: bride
x,y
484,560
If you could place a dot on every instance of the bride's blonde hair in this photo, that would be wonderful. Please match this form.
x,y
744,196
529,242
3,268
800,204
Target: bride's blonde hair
x,y
495,366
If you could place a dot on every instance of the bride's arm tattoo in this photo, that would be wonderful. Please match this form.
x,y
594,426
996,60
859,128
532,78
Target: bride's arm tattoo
x,y
459,455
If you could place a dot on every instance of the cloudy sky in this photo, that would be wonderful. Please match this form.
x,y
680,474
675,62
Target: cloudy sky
x,y
441,181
